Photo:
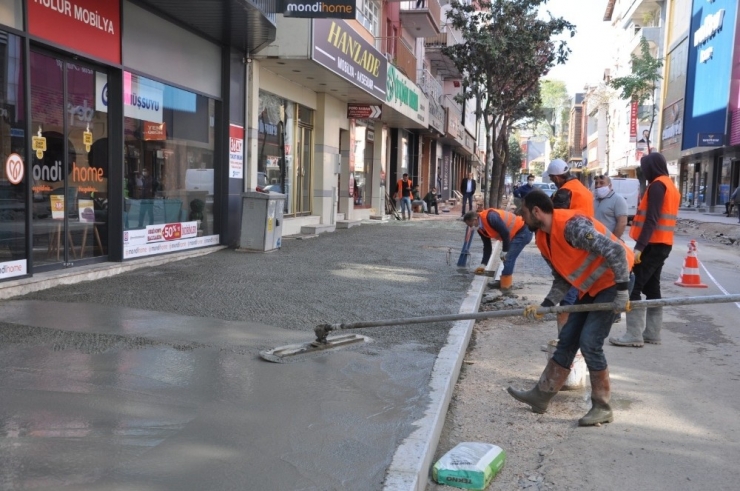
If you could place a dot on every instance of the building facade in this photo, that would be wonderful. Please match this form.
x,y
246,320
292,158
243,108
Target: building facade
x,y
118,118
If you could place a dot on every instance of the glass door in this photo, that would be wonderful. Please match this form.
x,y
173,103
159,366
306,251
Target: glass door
x,y
70,162
303,170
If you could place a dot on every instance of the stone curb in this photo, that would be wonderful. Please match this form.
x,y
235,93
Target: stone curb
x,y
412,461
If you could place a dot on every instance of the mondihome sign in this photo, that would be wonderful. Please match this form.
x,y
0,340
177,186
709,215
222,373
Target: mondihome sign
x,y
340,49
311,9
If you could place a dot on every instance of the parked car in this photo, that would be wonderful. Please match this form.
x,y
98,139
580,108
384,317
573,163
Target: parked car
x,y
548,188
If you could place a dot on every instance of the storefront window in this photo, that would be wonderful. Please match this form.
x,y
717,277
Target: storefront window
x,y
13,154
168,161
285,151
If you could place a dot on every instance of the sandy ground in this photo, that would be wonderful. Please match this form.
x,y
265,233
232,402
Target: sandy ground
x,y
660,440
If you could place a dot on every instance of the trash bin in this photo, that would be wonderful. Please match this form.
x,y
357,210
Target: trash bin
x,y
262,221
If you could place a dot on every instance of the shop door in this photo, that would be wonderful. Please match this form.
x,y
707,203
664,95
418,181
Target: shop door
x,y
70,162
304,157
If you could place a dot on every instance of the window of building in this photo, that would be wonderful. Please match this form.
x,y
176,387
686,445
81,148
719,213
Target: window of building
x,y
368,12
168,167
13,153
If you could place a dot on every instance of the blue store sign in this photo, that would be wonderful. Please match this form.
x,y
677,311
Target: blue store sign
x,y
711,43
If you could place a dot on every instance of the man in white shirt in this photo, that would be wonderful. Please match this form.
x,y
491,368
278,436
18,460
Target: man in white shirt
x,y
610,208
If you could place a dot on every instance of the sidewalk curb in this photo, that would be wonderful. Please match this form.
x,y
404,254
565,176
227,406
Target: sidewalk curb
x,y
412,461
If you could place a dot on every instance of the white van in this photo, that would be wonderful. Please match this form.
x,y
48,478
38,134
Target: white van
x,y
630,191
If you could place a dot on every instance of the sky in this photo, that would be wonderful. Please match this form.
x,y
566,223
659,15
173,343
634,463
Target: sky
x,y
587,60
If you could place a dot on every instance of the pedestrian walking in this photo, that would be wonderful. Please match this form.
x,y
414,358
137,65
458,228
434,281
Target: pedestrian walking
x,y
652,229
467,188
610,207
571,195
733,202
403,192
510,229
584,254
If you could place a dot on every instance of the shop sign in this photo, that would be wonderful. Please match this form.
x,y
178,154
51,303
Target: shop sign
x,y
404,96
710,140
14,168
633,121
135,246
364,111
87,26
154,131
672,123
436,116
453,124
236,151
311,9
9,269
709,72
142,98
340,49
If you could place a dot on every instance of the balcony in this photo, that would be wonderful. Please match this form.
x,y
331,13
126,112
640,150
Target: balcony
x,y
431,87
421,18
400,53
654,36
442,64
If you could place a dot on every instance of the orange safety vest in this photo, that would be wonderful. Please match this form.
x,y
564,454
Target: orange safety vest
x,y
588,272
663,233
399,188
513,224
581,198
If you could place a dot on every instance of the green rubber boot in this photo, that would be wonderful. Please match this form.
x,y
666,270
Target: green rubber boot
x,y
551,380
601,411
653,325
635,326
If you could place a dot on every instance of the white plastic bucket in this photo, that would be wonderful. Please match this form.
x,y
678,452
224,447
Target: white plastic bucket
x,y
578,369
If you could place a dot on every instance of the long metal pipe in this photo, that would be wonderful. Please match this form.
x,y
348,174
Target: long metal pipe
x,y
322,330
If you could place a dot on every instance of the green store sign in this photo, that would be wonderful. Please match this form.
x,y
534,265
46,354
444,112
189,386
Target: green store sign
x,y
400,90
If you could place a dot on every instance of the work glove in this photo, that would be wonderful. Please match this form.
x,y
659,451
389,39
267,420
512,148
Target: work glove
x,y
530,312
480,270
622,302
502,256
638,254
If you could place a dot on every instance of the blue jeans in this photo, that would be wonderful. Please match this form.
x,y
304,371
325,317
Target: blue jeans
x,y
469,198
587,331
570,297
518,242
406,205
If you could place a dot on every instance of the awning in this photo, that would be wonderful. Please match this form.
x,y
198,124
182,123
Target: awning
x,y
248,25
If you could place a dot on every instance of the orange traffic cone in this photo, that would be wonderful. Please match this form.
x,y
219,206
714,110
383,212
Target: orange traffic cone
x,y
690,272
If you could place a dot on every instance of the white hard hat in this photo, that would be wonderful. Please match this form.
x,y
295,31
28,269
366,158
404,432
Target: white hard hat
x,y
557,167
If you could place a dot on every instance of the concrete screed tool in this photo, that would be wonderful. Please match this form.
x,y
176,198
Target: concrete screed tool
x,y
323,341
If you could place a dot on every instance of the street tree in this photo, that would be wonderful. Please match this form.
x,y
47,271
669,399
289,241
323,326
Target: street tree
x,y
641,85
506,49
514,158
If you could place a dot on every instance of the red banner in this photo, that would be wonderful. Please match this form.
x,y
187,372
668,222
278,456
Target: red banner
x,y
633,121
87,26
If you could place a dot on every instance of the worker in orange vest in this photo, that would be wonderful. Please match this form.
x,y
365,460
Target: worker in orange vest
x,y
571,195
493,224
584,254
403,193
652,229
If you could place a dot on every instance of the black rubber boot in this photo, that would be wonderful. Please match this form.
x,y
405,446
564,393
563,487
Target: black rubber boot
x,y
601,411
538,398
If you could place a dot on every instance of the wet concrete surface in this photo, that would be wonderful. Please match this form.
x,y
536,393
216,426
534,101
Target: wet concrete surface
x,y
150,380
